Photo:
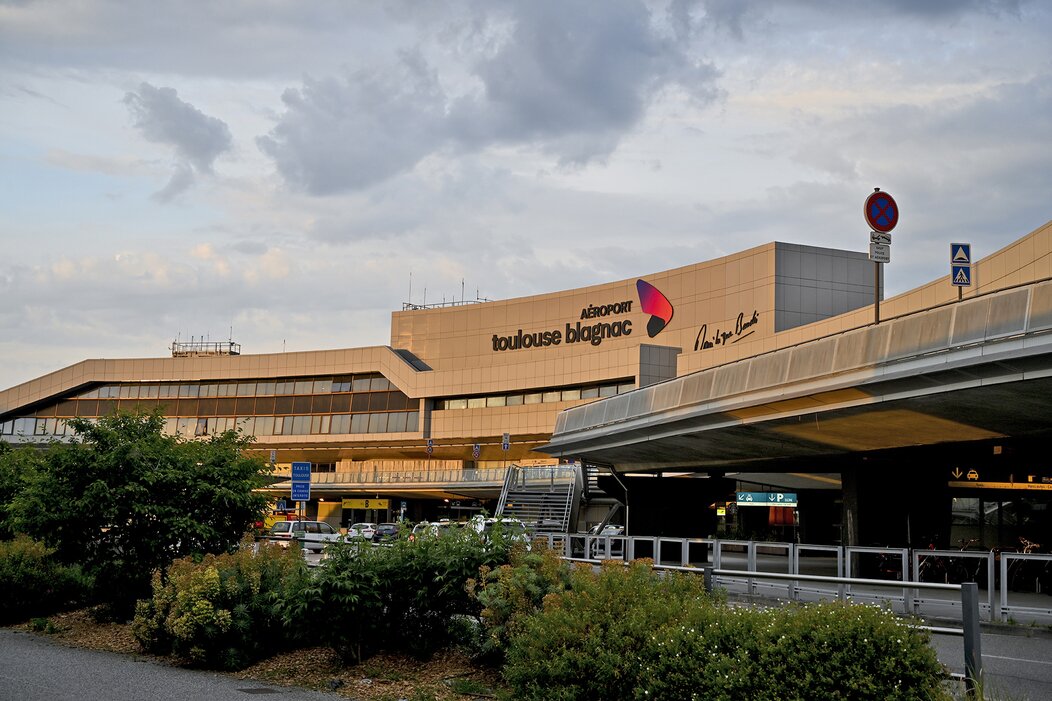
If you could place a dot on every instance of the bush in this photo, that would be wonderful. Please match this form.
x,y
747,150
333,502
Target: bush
x,y
406,597
34,583
512,592
627,633
220,611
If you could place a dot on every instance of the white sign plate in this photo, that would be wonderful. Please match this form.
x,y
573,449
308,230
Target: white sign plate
x,y
880,252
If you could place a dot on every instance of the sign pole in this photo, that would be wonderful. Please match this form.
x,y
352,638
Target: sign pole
x,y
882,214
876,292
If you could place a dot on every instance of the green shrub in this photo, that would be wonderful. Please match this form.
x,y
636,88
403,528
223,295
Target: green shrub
x,y
34,583
220,611
628,633
406,597
512,592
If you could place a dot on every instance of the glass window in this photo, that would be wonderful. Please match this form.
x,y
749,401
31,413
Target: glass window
x,y
264,405
300,425
378,401
245,406
456,404
207,407
189,390
107,407
182,427
514,400
321,404
341,424
322,386
202,427
324,428
396,422
607,390
39,427
283,405
227,390
476,402
548,397
378,384
246,389
245,424
284,387
301,404
359,403
571,394
496,401
377,423
341,384
532,398
315,424
5,428
90,394
340,403
589,393
149,391
360,423
360,384
129,391
264,425
264,389
411,421
279,426
626,387
304,386
225,406
188,407
208,390
170,426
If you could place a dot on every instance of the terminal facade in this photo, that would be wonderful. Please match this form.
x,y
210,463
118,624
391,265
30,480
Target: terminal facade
x,y
428,426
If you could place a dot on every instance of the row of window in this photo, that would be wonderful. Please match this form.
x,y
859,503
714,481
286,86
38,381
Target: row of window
x,y
335,424
555,395
246,388
237,406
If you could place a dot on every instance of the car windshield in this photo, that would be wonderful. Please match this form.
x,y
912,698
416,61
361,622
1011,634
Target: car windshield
x,y
281,527
387,528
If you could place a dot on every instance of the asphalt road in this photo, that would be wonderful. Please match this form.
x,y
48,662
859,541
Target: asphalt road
x,y
32,668
1016,667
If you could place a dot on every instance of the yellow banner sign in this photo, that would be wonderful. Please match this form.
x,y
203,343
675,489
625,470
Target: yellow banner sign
x,y
1026,486
366,503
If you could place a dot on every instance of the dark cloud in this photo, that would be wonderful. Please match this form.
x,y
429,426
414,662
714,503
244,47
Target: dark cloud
x,y
351,132
161,117
569,78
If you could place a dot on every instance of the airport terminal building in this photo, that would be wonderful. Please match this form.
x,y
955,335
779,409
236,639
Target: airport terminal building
x,y
763,371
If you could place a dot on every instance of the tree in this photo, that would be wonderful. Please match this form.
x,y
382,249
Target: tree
x,y
125,500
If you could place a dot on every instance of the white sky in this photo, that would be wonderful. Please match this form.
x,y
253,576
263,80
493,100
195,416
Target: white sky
x,y
277,169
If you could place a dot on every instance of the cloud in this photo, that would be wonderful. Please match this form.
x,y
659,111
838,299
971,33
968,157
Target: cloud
x,y
567,78
350,132
196,138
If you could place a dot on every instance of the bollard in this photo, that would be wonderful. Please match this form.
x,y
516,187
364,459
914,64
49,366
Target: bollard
x,y
708,579
973,655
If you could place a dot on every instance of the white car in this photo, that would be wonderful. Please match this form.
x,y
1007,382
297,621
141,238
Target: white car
x,y
311,535
361,530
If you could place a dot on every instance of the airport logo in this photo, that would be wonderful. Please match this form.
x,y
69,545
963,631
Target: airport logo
x,y
655,304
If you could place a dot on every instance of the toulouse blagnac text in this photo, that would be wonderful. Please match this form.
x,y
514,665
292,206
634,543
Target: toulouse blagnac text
x,y
572,333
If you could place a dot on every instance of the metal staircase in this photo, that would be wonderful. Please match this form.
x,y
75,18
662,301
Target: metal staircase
x,y
546,498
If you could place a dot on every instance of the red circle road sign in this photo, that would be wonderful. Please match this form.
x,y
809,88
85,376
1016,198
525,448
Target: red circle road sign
x,y
882,213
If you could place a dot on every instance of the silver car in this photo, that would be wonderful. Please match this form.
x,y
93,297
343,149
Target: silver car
x,y
311,535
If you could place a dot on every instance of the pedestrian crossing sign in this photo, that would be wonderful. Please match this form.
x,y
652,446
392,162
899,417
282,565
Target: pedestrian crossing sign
x,y
961,275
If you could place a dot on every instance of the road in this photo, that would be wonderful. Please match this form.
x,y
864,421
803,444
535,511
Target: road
x,y
32,668
1016,666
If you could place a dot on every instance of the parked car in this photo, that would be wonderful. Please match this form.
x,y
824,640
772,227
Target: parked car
x,y
432,529
311,535
599,548
386,533
361,530
512,529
